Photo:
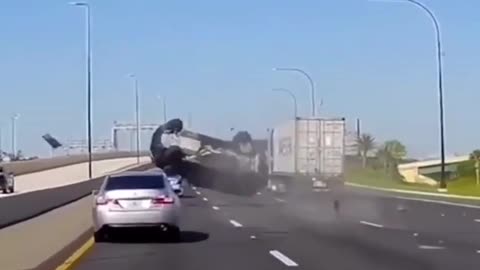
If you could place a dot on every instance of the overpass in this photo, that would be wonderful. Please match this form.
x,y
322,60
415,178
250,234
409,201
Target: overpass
x,y
419,172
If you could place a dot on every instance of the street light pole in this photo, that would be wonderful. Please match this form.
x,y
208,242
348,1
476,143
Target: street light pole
x,y
137,116
294,99
295,115
431,15
164,105
312,86
89,82
14,134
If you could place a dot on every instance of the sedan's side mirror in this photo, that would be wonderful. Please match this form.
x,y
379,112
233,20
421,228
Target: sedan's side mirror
x,y
94,192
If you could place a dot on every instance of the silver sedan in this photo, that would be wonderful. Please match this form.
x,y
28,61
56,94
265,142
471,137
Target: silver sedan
x,y
136,199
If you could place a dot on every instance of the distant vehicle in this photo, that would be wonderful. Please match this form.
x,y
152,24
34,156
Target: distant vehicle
x,y
136,199
311,149
319,185
177,183
7,181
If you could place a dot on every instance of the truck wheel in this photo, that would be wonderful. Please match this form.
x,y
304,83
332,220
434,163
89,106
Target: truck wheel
x,y
11,189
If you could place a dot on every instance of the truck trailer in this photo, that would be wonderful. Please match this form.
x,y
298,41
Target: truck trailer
x,y
309,149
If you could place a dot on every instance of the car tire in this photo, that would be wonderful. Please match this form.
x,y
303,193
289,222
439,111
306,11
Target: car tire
x,y
174,234
100,236
5,190
11,188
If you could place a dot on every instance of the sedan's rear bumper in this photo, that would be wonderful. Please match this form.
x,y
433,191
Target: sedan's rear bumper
x,y
148,218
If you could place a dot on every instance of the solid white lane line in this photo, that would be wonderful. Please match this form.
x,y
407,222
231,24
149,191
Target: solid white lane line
x,y
205,199
477,220
430,247
371,224
284,259
215,208
235,223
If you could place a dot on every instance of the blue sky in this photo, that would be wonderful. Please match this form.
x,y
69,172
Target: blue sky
x,y
213,58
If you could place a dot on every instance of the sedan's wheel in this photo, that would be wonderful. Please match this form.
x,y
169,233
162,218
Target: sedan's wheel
x,y
100,236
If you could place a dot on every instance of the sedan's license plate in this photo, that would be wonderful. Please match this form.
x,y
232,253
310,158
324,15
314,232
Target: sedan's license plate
x,y
135,204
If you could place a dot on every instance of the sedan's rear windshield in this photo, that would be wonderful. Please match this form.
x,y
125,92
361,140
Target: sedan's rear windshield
x,y
135,182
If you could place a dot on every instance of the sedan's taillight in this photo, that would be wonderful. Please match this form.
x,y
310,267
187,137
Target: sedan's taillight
x,y
100,200
163,200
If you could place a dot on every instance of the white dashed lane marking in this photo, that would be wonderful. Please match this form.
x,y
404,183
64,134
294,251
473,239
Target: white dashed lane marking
x,y
284,259
235,223
371,224
430,247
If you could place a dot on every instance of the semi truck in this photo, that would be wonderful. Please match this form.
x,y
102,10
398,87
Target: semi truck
x,y
307,149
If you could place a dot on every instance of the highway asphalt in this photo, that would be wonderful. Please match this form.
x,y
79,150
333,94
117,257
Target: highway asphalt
x,y
302,230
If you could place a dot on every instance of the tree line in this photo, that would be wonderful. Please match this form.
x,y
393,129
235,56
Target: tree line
x,y
388,153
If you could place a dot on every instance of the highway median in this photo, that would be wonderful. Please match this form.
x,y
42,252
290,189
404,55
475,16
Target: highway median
x,y
462,187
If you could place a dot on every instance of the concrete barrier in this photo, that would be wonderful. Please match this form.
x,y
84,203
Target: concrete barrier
x,y
30,166
68,175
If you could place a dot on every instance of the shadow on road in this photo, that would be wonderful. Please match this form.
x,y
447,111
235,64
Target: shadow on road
x,y
146,236
187,197
193,237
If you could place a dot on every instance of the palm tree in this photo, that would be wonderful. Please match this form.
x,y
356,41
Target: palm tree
x,y
366,143
392,152
384,156
475,155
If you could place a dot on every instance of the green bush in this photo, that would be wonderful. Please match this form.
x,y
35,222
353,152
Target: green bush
x,y
466,168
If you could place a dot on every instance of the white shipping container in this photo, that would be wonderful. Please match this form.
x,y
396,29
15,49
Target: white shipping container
x,y
309,146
